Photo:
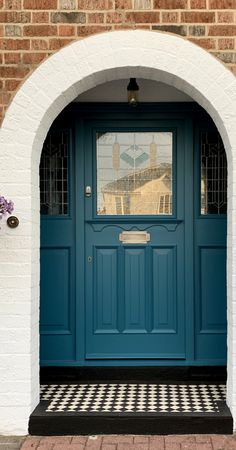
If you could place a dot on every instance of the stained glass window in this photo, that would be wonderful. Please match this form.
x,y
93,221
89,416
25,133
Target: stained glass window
x,y
213,174
134,173
54,174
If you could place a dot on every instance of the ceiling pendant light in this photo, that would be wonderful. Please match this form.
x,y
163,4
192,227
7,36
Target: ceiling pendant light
x,y
132,90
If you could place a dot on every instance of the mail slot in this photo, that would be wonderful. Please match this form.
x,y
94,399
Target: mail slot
x,y
134,237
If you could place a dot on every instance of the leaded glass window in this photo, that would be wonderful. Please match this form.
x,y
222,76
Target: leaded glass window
x,y
213,174
134,173
54,174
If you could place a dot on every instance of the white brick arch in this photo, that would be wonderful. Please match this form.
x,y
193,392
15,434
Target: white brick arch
x,y
71,71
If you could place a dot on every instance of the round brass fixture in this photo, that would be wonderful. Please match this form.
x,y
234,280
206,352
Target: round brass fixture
x,y
13,222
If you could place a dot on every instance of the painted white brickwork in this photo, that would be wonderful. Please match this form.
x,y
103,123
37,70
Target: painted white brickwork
x,y
73,70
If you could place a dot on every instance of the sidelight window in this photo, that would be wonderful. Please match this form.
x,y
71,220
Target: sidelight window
x,y
213,174
54,174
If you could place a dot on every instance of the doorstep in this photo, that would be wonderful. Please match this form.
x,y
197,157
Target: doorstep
x,y
118,406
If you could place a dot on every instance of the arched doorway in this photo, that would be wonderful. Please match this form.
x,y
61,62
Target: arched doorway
x,y
38,102
133,237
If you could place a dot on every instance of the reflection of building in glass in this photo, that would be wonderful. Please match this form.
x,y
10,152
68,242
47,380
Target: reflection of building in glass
x,y
144,191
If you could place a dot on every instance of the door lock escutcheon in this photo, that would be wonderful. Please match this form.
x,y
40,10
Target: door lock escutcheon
x,y
88,191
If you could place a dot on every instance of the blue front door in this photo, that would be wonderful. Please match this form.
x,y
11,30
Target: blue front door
x,y
133,242
135,295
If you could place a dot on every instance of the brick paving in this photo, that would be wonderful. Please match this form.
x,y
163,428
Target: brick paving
x,y
129,442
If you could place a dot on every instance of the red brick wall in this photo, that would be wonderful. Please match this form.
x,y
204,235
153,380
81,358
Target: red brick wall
x,y
30,30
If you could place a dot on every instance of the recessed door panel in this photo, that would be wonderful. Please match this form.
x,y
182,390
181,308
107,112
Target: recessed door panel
x,y
212,289
164,298
55,273
135,290
105,291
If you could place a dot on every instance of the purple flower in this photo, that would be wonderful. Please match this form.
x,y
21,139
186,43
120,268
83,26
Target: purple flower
x,y
6,207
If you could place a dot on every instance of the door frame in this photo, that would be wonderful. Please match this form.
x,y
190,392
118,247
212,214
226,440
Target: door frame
x,y
76,115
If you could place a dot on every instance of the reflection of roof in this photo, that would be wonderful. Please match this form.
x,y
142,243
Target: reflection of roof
x,y
139,178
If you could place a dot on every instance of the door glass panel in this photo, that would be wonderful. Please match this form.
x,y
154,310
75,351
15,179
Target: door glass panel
x,y
134,173
54,174
213,174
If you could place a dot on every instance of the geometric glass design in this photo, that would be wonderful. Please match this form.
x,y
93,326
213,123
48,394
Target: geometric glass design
x,y
134,173
54,174
213,174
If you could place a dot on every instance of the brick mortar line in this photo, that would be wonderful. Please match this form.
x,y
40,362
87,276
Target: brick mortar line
x,y
101,24
47,38
25,24
142,23
49,52
190,10
38,24
93,11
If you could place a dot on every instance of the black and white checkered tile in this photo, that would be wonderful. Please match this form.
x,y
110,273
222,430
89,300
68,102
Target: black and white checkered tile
x,y
133,398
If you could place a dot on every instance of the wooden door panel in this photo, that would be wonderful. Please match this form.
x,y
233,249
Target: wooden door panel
x,y
105,290
212,290
164,299
135,290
